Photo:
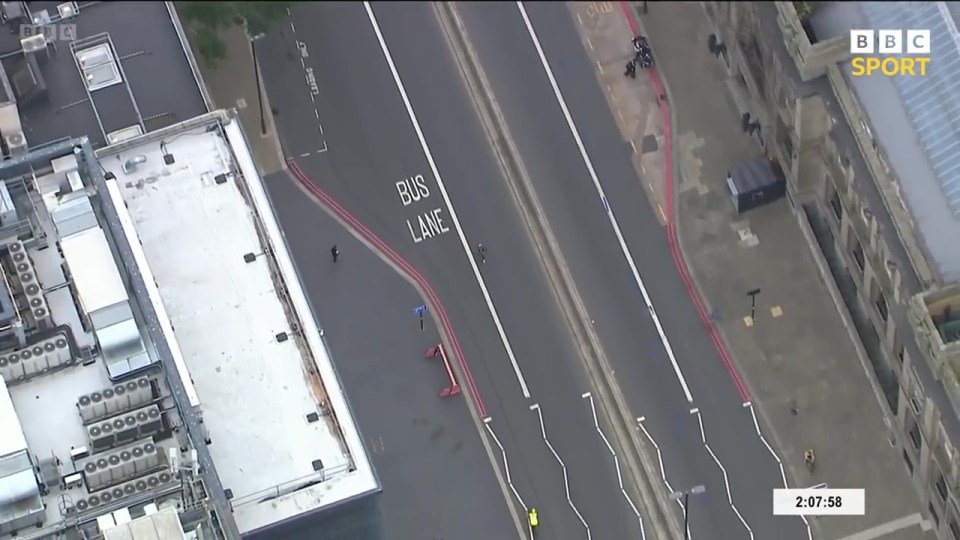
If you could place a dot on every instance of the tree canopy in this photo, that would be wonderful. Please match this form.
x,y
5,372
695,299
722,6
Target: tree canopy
x,y
207,19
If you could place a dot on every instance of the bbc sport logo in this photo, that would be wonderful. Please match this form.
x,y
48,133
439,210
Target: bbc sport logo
x,y
881,52
53,32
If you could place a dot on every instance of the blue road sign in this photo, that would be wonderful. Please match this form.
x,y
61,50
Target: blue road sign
x,y
420,310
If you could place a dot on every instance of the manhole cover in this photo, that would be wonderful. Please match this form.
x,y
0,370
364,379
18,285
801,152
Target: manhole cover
x,y
649,144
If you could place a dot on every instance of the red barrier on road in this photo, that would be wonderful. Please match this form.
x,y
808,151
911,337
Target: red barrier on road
x,y
454,388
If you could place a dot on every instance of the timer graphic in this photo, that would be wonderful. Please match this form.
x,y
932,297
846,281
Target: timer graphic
x,y
819,502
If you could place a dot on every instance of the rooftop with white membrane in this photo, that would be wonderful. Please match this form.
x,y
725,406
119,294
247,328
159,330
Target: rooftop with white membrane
x,y
197,215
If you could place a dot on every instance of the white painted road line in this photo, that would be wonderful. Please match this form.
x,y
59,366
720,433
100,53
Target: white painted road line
x,y
783,474
446,198
663,471
603,198
726,481
566,480
506,469
311,81
616,463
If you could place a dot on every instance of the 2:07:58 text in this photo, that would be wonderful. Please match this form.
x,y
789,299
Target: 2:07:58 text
x,y
818,501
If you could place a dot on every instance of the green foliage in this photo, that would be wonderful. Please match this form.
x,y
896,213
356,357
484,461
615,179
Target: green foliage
x,y
207,19
804,9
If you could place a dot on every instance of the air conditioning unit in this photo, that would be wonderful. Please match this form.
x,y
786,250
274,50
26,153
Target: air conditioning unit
x,y
129,489
128,466
125,428
68,9
40,363
97,404
97,473
115,471
109,399
151,456
27,278
140,423
16,368
153,422
102,435
34,43
16,143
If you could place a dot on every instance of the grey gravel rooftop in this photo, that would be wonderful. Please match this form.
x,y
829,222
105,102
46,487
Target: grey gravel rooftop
x,y
158,86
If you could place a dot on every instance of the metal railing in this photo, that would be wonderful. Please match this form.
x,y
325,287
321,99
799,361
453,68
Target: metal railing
x,y
289,487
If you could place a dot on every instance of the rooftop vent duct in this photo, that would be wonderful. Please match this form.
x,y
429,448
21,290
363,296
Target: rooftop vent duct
x,y
131,164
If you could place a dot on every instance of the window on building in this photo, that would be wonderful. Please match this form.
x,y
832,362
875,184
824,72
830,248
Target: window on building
x,y
933,514
915,436
955,529
858,255
882,306
941,486
906,459
835,205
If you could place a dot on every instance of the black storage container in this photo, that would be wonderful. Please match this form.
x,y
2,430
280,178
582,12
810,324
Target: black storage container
x,y
755,183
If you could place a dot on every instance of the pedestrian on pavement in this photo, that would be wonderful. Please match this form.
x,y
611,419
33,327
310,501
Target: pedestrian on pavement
x,y
334,252
482,253
810,458
631,70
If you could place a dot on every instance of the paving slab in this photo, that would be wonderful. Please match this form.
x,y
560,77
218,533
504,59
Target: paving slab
x,y
795,354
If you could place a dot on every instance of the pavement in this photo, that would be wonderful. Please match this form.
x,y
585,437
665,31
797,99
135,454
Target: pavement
x,y
796,351
232,83
557,459
425,449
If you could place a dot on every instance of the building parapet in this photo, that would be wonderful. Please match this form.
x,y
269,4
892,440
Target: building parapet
x,y
812,59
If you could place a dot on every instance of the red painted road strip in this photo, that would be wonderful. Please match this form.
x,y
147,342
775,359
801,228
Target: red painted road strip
x,y
671,225
399,261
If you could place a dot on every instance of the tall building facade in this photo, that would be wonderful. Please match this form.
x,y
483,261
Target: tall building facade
x,y
788,65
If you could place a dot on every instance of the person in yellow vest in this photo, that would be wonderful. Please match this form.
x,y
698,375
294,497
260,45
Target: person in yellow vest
x,y
534,521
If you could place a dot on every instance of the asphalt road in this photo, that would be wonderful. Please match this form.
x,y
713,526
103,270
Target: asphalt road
x,y
370,146
417,442
599,268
